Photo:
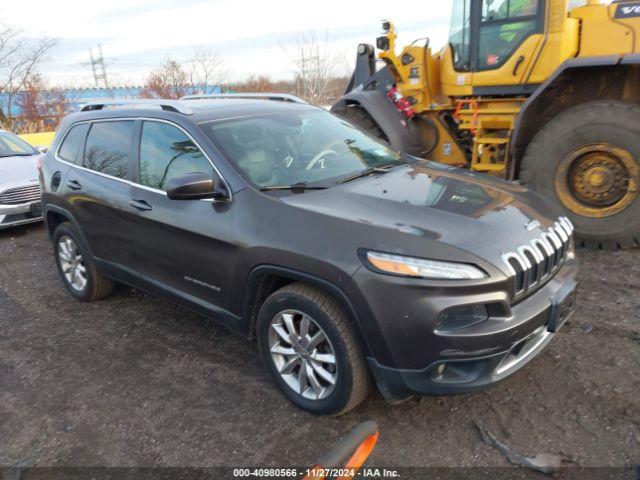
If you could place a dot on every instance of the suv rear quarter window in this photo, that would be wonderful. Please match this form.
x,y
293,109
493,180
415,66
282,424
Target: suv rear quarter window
x,y
108,146
166,152
72,142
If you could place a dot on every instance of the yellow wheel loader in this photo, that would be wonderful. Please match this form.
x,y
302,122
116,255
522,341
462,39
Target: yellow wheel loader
x,y
544,92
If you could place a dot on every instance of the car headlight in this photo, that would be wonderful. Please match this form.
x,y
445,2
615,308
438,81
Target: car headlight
x,y
423,268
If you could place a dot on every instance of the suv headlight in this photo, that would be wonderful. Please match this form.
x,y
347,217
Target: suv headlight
x,y
422,268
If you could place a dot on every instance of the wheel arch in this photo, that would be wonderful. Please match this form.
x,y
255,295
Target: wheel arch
x,y
55,215
576,81
263,280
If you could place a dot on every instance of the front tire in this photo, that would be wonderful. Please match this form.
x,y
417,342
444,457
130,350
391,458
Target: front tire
x,y
311,350
587,160
361,119
75,266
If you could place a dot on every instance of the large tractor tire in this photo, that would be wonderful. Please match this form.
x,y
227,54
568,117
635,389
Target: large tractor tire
x,y
361,118
587,160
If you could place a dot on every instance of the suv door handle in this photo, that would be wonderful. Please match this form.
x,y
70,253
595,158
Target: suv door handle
x,y
140,205
74,185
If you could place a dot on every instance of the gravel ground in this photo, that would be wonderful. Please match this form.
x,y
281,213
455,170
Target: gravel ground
x,y
133,380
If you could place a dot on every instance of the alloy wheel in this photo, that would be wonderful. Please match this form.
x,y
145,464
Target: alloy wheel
x,y
72,263
303,354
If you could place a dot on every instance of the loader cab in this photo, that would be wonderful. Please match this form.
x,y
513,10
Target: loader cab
x,y
496,47
486,33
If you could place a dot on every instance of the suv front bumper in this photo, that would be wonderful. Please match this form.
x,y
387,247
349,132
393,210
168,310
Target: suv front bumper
x,y
422,360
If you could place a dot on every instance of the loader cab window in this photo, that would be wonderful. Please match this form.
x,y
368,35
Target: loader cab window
x,y
576,3
504,25
460,35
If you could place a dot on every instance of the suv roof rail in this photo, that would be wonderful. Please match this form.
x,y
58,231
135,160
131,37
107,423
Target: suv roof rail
x,y
280,97
161,103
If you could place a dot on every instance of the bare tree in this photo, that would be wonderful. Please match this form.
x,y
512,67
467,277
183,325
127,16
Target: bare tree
x,y
316,66
42,108
206,70
169,81
18,60
197,75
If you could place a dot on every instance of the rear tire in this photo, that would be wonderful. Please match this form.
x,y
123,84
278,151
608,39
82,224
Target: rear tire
x,y
341,379
587,160
76,267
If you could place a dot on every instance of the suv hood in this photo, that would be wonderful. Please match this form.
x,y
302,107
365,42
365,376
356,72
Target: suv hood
x,y
475,213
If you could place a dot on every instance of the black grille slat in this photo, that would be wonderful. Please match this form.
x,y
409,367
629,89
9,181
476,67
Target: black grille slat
x,y
534,270
519,276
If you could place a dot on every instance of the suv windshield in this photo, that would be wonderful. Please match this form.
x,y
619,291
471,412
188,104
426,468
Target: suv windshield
x,y
11,146
299,148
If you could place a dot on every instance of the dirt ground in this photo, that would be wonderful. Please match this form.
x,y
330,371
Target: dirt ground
x,y
133,380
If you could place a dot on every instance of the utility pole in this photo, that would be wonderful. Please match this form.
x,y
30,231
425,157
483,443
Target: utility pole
x,y
98,67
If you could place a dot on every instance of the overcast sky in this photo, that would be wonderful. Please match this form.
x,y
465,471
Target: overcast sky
x,y
137,35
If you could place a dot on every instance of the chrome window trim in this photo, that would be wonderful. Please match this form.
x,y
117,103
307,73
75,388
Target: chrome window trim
x,y
129,182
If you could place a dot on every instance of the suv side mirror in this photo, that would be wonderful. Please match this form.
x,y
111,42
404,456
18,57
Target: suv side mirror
x,y
41,148
193,186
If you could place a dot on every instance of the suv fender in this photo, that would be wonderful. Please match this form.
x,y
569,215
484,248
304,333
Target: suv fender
x,y
252,291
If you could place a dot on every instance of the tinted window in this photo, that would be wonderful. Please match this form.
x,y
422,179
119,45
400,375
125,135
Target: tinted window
x,y
460,34
72,143
166,152
505,25
504,9
107,149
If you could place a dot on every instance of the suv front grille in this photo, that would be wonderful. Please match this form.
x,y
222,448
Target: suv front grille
x,y
18,195
535,262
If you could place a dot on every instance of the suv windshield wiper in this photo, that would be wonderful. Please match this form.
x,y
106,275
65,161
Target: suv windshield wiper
x,y
366,172
296,187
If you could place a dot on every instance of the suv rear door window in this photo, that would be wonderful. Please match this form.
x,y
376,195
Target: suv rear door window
x,y
166,152
72,142
108,146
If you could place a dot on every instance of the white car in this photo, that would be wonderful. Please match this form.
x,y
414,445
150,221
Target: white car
x,y
19,186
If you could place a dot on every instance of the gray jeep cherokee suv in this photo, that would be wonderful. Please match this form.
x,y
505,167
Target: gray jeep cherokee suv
x,y
350,263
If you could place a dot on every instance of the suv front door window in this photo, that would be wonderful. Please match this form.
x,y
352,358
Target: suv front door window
x,y
167,153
